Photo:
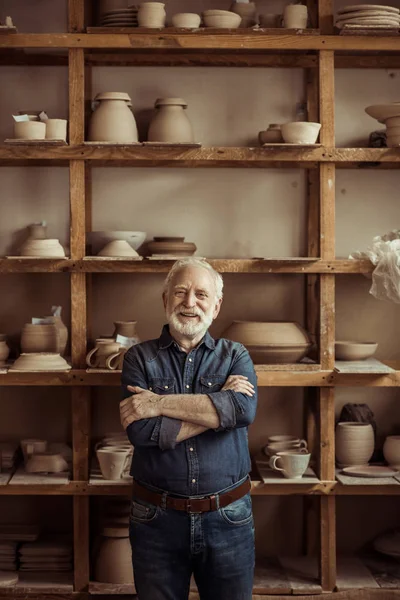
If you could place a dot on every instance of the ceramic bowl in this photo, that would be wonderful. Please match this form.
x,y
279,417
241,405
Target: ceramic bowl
x,y
272,135
300,132
255,333
29,130
42,248
172,247
277,355
186,20
227,21
40,361
118,248
98,239
354,350
382,112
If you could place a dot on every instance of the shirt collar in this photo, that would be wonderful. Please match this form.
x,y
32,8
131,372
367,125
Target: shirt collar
x,y
166,339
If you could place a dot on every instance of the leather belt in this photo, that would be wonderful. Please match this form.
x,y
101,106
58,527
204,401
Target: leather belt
x,y
192,505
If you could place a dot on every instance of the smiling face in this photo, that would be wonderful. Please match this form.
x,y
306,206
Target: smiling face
x,y
191,302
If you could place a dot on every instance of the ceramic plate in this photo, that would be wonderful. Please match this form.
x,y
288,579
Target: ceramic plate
x,y
366,13
370,471
355,7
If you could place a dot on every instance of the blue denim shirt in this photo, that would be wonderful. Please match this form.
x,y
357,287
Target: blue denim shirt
x,y
213,460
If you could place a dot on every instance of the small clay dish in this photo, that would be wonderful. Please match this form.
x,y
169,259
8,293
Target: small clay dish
x,y
354,350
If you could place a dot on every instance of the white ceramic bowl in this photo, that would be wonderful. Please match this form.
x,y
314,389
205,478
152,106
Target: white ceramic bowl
x,y
300,132
228,21
186,20
98,239
354,350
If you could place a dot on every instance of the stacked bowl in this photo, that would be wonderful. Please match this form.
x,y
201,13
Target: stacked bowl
x,y
369,16
389,114
121,17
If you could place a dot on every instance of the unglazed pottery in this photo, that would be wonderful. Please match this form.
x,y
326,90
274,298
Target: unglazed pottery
x,y
112,120
118,248
152,15
98,239
4,352
40,338
171,246
256,333
295,16
354,350
31,446
62,331
383,112
127,329
40,361
104,348
291,464
186,20
46,462
354,443
391,450
49,248
56,129
170,122
300,132
272,135
29,130
37,231
112,461
247,11
114,560
228,20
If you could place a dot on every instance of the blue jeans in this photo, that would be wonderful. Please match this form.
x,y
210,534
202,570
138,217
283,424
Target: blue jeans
x,y
169,545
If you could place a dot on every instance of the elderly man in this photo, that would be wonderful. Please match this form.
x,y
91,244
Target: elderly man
x,y
188,402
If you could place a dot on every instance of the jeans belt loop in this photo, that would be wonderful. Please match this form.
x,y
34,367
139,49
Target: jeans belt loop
x,y
164,500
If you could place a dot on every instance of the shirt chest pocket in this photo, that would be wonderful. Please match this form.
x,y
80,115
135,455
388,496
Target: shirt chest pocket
x,y
211,383
163,385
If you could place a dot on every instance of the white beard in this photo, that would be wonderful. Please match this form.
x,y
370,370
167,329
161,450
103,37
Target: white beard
x,y
191,330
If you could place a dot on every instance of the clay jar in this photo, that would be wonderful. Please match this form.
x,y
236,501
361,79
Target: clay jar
x,y
295,16
4,352
113,121
114,557
248,12
170,123
152,15
62,332
127,329
104,349
391,450
354,443
39,338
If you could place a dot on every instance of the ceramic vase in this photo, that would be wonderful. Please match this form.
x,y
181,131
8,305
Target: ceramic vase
x,y
391,450
39,338
248,12
62,331
4,352
114,560
152,15
170,123
354,443
295,16
56,129
112,120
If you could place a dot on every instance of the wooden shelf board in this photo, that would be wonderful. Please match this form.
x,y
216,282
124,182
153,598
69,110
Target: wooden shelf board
x,y
380,482
22,478
353,574
40,583
384,569
370,366
200,31
111,589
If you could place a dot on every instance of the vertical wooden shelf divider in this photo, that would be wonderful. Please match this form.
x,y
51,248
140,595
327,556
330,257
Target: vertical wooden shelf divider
x,y
80,396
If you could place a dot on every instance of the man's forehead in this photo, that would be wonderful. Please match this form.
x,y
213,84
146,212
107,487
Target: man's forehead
x,y
192,277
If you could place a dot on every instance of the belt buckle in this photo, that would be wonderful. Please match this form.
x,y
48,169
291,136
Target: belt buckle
x,y
188,508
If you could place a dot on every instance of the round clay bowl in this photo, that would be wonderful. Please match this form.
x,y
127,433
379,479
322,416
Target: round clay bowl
x,y
300,132
231,21
40,361
42,248
354,350
174,248
118,248
277,355
186,20
29,130
256,333
382,112
391,450
98,239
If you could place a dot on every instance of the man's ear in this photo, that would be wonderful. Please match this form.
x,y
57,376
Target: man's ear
x,y
217,308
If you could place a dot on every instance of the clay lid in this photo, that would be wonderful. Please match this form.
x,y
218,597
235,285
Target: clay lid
x,y
113,96
170,102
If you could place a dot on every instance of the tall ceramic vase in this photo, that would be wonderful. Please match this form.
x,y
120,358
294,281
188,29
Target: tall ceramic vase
x,y
354,443
112,120
170,123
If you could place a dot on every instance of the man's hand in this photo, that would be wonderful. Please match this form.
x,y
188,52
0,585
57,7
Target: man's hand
x,y
239,383
142,405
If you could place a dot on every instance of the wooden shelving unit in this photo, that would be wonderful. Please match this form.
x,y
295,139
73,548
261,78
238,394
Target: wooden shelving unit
x,y
318,54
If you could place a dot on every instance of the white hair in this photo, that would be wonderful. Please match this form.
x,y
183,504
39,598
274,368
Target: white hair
x,y
192,261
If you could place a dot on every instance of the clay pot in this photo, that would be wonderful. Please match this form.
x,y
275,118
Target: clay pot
x,y
46,462
354,350
114,560
40,361
4,352
246,10
254,333
42,248
300,132
30,446
29,130
354,443
152,15
272,135
391,450
295,16
104,348
112,461
98,239
221,19
113,121
173,246
56,129
170,123
40,338
127,329
118,248
186,20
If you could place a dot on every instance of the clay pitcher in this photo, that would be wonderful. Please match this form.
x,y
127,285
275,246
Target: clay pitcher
x,y
4,352
170,123
354,443
112,120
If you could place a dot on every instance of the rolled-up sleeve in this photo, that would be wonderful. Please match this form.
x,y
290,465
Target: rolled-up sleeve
x,y
236,409
157,431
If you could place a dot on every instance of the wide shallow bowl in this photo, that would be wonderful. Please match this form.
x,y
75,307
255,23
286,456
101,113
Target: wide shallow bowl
x,y
256,333
212,12
300,132
40,361
354,350
29,130
186,20
275,354
44,248
173,248
228,21
382,112
98,239
118,248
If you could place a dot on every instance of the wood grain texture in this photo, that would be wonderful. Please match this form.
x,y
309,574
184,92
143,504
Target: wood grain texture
x,y
76,16
326,450
327,322
77,185
76,76
81,544
78,319
327,97
327,562
325,16
80,401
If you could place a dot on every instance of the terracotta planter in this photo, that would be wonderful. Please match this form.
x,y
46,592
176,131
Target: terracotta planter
x,y
152,15
113,121
114,560
391,450
4,352
40,338
170,123
354,443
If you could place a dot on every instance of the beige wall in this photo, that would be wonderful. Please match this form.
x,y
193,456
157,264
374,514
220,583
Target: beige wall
x,y
227,213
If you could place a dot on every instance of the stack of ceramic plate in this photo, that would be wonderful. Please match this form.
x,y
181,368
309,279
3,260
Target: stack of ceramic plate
x,y
121,17
8,556
170,247
45,556
389,544
8,452
368,16
389,114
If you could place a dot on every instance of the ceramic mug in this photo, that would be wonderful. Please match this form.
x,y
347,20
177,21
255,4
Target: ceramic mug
x,y
116,360
114,461
104,348
293,463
